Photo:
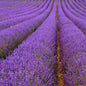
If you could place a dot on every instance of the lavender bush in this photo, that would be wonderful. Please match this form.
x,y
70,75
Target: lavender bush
x,y
78,6
35,50
11,12
33,63
16,20
74,10
81,23
31,9
11,37
78,2
72,50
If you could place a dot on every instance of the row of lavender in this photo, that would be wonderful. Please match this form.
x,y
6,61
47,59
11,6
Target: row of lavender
x,y
72,42
13,35
25,8
23,17
9,3
34,62
76,15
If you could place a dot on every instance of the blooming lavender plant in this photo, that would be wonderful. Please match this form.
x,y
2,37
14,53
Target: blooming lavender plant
x,y
11,37
83,2
16,20
33,63
78,6
22,11
72,50
30,9
82,5
76,20
70,6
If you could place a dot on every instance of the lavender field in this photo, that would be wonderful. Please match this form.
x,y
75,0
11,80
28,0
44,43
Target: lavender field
x,y
42,42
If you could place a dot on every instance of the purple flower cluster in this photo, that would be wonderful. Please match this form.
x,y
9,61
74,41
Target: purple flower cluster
x,y
34,62
17,9
78,6
81,4
27,9
22,18
74,10
11,37
41,44
72,48
77,19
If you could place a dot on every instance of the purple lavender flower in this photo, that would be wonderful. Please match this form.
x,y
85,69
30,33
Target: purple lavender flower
x,y
34,62
11,37
72,49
